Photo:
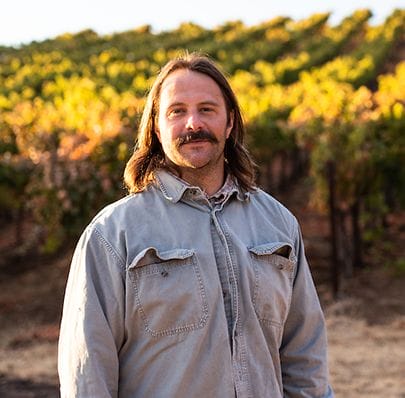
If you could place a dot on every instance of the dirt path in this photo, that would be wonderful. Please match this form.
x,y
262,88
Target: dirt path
x,y
366,330
366,326
30,305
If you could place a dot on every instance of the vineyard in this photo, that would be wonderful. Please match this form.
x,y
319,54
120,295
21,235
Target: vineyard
x,y
319,100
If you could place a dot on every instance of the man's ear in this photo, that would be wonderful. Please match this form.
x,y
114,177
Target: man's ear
x,y
229,127
157,132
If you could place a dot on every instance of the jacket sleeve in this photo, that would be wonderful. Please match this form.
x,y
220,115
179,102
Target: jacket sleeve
x,y
303,351
92,328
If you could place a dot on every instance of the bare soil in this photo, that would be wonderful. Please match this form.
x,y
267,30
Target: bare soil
x,y
366,324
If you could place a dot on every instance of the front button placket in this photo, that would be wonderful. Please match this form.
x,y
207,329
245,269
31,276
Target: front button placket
x,y
220,253
229,284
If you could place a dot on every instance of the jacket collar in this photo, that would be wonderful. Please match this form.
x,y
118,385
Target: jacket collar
x,y
173,187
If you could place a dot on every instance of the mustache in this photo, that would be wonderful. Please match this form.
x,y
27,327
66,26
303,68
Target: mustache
x,y
191,136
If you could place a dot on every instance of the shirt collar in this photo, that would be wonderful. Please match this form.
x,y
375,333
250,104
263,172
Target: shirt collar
x,y
226,190
173,187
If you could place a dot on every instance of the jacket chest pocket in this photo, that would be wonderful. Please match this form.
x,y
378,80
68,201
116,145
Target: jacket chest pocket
x,y
169,290
274,272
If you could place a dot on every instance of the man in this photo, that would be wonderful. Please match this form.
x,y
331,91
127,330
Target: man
x,y
196,284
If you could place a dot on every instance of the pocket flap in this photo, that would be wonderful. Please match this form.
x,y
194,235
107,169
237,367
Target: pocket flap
x,y
279,254
280,248
151,255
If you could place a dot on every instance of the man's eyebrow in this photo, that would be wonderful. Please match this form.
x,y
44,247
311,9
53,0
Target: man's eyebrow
x,y
176,104
207,102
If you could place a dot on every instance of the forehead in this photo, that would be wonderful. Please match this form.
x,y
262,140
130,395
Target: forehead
x,y
187,86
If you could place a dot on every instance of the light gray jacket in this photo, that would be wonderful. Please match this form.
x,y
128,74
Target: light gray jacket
x,y
144,312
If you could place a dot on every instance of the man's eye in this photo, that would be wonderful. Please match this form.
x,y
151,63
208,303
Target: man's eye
x,y
206,110
175,112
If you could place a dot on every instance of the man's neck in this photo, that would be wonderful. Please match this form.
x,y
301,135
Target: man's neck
x,y
209,182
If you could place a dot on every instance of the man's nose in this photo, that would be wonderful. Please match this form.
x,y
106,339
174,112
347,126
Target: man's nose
x,y
194,121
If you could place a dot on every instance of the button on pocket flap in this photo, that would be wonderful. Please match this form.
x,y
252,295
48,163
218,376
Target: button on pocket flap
x,y
278,253
151,255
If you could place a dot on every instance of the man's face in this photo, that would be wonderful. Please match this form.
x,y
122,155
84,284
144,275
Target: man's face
x,y
193,123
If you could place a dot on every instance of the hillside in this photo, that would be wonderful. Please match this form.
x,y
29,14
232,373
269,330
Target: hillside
x,y
317,99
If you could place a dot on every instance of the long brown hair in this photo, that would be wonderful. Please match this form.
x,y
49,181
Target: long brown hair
x,y
148,155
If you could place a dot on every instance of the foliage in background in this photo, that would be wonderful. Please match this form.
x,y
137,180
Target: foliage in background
x,y
313,95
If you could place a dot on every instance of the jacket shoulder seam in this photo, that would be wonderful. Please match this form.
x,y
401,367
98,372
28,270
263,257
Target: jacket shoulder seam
x,y
110,248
